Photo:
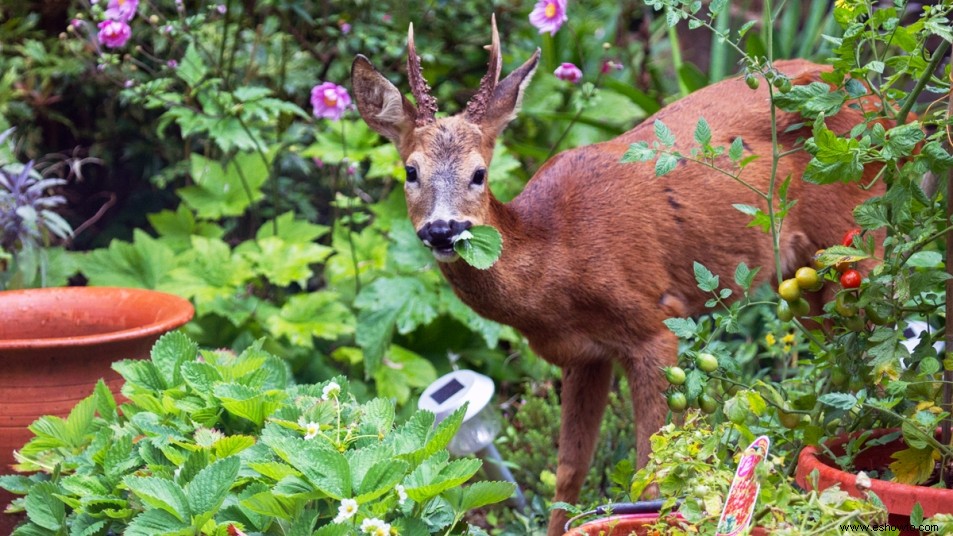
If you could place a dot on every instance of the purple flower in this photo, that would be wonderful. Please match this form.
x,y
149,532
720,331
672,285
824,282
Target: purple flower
x,y
172,64
345,28
221,8
123,10
114,33
76,23
608,66
568,72
329,100
549,15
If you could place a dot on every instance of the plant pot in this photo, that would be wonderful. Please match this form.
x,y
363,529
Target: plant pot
x,y
630,519
899,499
56,343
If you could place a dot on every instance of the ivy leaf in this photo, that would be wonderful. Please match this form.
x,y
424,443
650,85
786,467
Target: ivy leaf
x,y
912,466
480,246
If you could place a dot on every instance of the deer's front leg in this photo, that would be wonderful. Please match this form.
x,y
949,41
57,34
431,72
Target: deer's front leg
x,y
585,393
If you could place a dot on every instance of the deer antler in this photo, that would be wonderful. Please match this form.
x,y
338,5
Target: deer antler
x,y
476,107
426,103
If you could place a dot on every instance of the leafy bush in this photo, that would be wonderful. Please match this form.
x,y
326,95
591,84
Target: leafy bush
x,y
213,443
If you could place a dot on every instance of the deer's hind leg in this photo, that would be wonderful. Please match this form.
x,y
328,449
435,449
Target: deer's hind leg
x,y
585,393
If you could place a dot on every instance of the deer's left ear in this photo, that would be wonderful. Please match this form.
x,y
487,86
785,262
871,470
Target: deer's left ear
x,y
508,97
380,103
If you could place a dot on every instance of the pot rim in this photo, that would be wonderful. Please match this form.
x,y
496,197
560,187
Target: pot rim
x,y
172,312
898,498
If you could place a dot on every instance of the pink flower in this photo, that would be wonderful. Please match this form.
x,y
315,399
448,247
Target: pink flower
x,y
609,66
568,72
329,100
549,15
123,10
114,33
345,27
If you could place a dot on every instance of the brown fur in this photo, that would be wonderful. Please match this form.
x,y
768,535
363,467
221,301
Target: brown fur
x,y
598,253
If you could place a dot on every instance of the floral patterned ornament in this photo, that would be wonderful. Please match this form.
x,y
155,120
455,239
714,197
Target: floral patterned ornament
x,y
739,506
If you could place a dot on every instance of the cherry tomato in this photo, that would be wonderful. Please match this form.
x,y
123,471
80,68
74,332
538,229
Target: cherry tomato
x,y
677,402
851,279
675,375
800,307
789,420
707,403
752,81
789,290
839,377
706,362
816,259
848,239
808,279
785,313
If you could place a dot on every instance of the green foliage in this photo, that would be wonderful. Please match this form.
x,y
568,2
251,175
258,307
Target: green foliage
x,y
480,246
212,441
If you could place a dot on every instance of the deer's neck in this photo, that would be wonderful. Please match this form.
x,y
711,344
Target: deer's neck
x,y
499,293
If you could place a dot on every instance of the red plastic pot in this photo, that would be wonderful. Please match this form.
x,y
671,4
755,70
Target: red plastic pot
x,y
898,498
627,524
56,343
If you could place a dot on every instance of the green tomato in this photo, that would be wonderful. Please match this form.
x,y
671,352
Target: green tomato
x,y
789,420
752,80
839,377
846,304
675,375
785,314
789,290
801,307
706,362
677,401
708,403
808,279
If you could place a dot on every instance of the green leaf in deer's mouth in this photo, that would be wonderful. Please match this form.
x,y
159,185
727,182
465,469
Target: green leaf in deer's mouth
x,y
479,246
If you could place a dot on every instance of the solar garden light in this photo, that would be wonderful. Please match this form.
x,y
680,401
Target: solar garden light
x,y
480,425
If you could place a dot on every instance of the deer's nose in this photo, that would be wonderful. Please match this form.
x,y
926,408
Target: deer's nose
x,y
439,234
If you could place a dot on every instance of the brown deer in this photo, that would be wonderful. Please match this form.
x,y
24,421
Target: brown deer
x,y
597,253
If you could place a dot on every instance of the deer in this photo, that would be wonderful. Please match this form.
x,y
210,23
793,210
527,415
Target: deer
x,y
598,253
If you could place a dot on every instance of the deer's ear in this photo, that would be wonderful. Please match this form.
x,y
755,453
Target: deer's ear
x,y
508,97
380,103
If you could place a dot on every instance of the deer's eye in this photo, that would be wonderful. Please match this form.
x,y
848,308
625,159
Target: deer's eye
x,y
479,176
411,173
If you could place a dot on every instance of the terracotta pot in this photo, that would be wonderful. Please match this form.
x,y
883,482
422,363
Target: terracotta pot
x,y
636,523
56,343
898,498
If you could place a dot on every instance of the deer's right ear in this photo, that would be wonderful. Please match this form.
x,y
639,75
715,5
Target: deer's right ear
x,y
380,103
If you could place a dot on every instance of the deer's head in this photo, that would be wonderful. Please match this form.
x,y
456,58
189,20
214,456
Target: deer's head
x,y
446,158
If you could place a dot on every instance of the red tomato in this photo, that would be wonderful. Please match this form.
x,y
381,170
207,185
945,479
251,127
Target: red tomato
x,y
848,239
850,279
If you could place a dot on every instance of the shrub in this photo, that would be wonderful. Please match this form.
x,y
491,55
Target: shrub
x,y
215,443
